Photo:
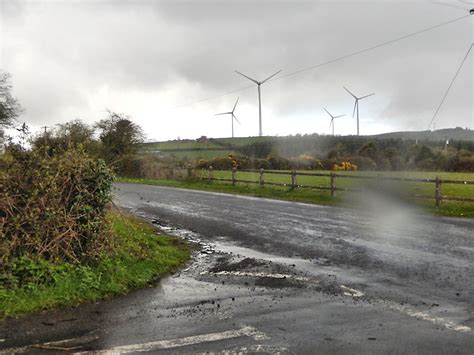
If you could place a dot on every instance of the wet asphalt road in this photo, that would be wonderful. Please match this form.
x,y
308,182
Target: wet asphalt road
x,y
281,277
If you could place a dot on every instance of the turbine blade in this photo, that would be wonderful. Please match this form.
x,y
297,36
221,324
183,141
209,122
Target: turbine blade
x,y
235,105
350,93
271,76
339,116
245,76
327,112
223,113
363,97
235,118
331,122
355,105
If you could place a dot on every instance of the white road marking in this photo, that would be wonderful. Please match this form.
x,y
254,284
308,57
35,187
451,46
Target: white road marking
x,y
433,319
84,339
15,350
259,274
62,343
191,340
347,291
259,348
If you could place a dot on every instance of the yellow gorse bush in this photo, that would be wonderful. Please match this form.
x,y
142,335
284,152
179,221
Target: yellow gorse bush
x,y
344,166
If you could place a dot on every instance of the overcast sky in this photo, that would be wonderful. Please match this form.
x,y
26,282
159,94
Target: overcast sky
x,y
73,59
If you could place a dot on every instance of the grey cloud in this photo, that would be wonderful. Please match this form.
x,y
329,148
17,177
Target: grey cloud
x,y
148,46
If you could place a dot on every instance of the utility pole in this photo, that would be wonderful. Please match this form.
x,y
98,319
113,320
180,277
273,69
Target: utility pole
x,y
45,141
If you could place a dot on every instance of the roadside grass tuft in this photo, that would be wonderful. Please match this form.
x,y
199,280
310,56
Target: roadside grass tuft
x,y
140,258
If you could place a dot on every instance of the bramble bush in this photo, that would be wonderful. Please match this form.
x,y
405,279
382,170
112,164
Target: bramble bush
x,y
52,208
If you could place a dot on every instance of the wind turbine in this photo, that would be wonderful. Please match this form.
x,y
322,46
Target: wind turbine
x,y
332,120
356,105
259,83
232,116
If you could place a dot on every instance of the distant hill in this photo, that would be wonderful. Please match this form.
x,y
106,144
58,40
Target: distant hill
x,y
438,135
293,146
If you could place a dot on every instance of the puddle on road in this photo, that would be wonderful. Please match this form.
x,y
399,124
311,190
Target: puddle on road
x,y
320,267
335,278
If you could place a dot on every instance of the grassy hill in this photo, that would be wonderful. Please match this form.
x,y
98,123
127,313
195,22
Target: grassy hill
x,y
203,148
294,146
438,135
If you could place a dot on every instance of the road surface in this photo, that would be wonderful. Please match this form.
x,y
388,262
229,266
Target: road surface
x,y
281,277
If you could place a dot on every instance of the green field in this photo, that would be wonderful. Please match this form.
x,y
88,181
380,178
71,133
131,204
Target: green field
x,y
193,154
175,145
412,187
187,149
243,141
212,143
203,149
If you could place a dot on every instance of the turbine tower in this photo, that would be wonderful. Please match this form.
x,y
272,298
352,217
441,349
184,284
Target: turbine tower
x,y
232,116
259,83
356,105
332,120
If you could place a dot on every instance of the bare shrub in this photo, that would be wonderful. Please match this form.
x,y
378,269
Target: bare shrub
x,y
53,207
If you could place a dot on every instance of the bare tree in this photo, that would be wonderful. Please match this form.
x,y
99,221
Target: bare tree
x,y
119,135
10,109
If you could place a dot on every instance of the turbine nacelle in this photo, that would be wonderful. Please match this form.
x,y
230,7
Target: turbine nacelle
x,y
256,81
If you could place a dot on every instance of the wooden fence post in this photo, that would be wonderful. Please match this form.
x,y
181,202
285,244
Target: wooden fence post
x,y
190,171
333,184
438,196
211,175
234,176
262,182
293,179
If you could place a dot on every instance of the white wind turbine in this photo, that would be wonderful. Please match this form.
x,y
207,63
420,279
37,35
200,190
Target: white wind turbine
x,y
332,120
232,116
259,83
356,105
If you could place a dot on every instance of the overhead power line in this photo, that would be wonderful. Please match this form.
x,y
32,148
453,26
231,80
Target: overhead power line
x,y
383,44
331,61
450,85
215,97
454,6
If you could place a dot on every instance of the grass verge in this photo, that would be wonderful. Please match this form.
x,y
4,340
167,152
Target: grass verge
x,y
140,258
322,197
297,195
